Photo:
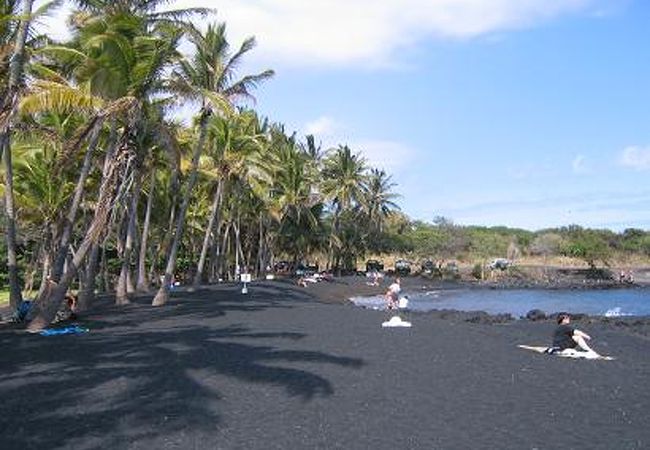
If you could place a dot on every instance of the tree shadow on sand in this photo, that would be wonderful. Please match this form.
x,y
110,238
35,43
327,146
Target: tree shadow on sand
x,y
141,372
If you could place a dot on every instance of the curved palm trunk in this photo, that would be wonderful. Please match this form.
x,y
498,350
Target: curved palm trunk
x,y
214,218
59,261
142,284
162,296
46,309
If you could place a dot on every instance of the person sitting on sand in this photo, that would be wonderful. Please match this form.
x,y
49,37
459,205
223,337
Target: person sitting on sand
x,y
392,294
68,310
567,337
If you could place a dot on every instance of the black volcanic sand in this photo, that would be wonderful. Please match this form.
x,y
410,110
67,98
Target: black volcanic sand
x,y
280,368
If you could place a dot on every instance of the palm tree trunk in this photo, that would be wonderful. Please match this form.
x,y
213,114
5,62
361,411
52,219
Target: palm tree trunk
x,y
46,309
223,251
162,296
122,291
15,294
87,291
214,218
9,103
66,234
174,187
142,284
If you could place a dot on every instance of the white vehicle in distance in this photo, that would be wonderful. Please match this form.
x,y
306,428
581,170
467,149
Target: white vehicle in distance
x,y
500,263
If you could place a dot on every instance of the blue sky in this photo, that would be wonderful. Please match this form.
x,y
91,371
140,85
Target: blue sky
x,y
525,113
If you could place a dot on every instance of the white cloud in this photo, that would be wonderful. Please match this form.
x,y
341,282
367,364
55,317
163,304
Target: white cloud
x,y
383,154
340,32
343,32
579,165
635,157
324,126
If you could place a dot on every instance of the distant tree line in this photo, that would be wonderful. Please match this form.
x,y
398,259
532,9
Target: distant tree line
x,y
444,239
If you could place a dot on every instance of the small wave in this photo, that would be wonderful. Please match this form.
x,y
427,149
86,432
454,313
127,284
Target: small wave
x,y
615,312
435,294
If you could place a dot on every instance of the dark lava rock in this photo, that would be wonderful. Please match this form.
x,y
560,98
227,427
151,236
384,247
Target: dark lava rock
x,y
535,315
488,319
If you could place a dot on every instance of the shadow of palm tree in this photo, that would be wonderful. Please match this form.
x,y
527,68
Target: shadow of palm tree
x,y
142,370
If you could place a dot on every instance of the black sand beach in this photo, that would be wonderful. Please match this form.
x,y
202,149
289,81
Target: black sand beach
x,y
295,368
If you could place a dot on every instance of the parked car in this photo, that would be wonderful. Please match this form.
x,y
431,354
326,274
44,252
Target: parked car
x,y
428,267
402,267
500,263
374,265
303,269
283,267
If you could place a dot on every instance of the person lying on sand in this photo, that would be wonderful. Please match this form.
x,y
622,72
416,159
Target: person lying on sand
x,y
567,338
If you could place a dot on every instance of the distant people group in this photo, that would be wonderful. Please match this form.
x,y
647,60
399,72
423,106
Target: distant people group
x,y
626,277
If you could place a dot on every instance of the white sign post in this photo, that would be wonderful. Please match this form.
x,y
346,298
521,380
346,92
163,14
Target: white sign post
x,y
245,278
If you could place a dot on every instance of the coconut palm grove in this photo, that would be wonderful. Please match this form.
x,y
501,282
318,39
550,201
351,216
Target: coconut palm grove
x,y
106,190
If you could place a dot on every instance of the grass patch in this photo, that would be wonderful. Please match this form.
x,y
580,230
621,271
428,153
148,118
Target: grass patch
x,y
4,297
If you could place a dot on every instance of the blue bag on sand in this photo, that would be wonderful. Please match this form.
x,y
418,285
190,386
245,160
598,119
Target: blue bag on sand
x,y
74,329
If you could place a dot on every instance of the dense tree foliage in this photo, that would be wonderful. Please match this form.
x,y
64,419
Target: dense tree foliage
x,y
105,191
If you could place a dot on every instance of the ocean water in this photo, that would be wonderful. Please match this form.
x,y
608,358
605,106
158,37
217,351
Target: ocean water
x,y
597,302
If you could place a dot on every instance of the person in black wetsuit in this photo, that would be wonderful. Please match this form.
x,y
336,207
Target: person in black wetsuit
x,y
568,337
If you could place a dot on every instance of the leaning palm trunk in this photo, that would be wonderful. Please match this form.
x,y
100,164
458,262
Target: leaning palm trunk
x,y
119,167
66,234
214,218
162,296
142,284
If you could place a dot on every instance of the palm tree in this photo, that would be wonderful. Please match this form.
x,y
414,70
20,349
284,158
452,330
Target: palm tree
x,y
7,112
116,49
235,150
295,202
344,175
378,200
208,77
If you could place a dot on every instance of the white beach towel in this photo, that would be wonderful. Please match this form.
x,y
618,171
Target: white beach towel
x,y
396,321
568,353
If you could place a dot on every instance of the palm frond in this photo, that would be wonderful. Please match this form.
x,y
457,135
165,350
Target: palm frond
x,y
181,15
218,102
241,89
62,98
234,61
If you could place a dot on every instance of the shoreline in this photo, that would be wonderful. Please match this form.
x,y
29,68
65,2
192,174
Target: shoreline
x,y
341,290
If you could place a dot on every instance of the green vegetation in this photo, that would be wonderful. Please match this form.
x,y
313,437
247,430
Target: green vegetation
x,y
103,190
4,297
442,239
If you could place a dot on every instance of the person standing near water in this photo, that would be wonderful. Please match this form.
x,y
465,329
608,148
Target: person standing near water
x,y
392,294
